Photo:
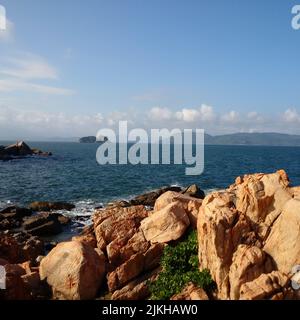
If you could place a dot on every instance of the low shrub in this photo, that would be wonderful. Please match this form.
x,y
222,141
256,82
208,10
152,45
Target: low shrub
x,y
180,265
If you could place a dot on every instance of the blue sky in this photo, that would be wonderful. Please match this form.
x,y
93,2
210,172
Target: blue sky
x,y
69,68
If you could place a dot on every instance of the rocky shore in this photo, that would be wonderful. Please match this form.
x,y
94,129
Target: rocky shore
x,y
239,243
20,150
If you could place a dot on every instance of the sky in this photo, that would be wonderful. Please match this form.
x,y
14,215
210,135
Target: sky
x,y
69,68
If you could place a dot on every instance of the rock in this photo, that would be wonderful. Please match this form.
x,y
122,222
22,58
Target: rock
x,y
190,205
45,224
262,195
248,263
3,262
220,229
136,289
15,212
166,225
51,206
87,236
11,217
121,249
39,259
18,149
121,203
249,231
283,243
148,199
117,223
15,287
153,256
194,191
125,272
266,286
191,292
20,247
74,270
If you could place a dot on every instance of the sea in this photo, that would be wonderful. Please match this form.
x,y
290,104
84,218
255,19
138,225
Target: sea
x,y
72,174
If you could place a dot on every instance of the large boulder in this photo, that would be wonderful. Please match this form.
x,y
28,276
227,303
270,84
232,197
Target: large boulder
x,y
283,243
149,198
74,270
191,205
248,263
249,230
137,289
166,225
130,255
117,224
272,286
194,191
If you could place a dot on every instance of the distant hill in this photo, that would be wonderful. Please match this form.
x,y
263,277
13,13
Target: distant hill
x,y
254,139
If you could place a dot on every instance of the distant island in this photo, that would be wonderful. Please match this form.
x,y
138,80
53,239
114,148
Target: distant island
x,y
91,139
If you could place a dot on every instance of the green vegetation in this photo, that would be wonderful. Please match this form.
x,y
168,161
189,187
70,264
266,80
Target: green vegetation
x,y
180,265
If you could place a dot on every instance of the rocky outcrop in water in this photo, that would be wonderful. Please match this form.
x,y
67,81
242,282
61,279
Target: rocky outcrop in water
x,y
19,150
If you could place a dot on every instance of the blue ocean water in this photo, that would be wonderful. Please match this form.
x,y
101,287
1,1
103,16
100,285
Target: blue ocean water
x,y
73,175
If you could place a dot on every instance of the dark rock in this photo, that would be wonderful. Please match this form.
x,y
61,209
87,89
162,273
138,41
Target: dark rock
x,y
50,206
11,217
45,224
194,191
15,212
120,204
19,150
148,199
20,247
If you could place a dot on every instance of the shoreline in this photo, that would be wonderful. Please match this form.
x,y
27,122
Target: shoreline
x,y
126,241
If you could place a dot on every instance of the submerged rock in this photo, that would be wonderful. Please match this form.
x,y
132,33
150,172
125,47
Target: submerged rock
x,y
51,206
45,224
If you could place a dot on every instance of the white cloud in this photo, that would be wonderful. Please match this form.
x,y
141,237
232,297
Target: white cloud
x,y
13,85
29,67
47,124
231,117
159,114
291,115
19,72
204,113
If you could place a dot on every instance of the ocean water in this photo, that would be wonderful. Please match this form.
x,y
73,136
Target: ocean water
x,y
73,175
